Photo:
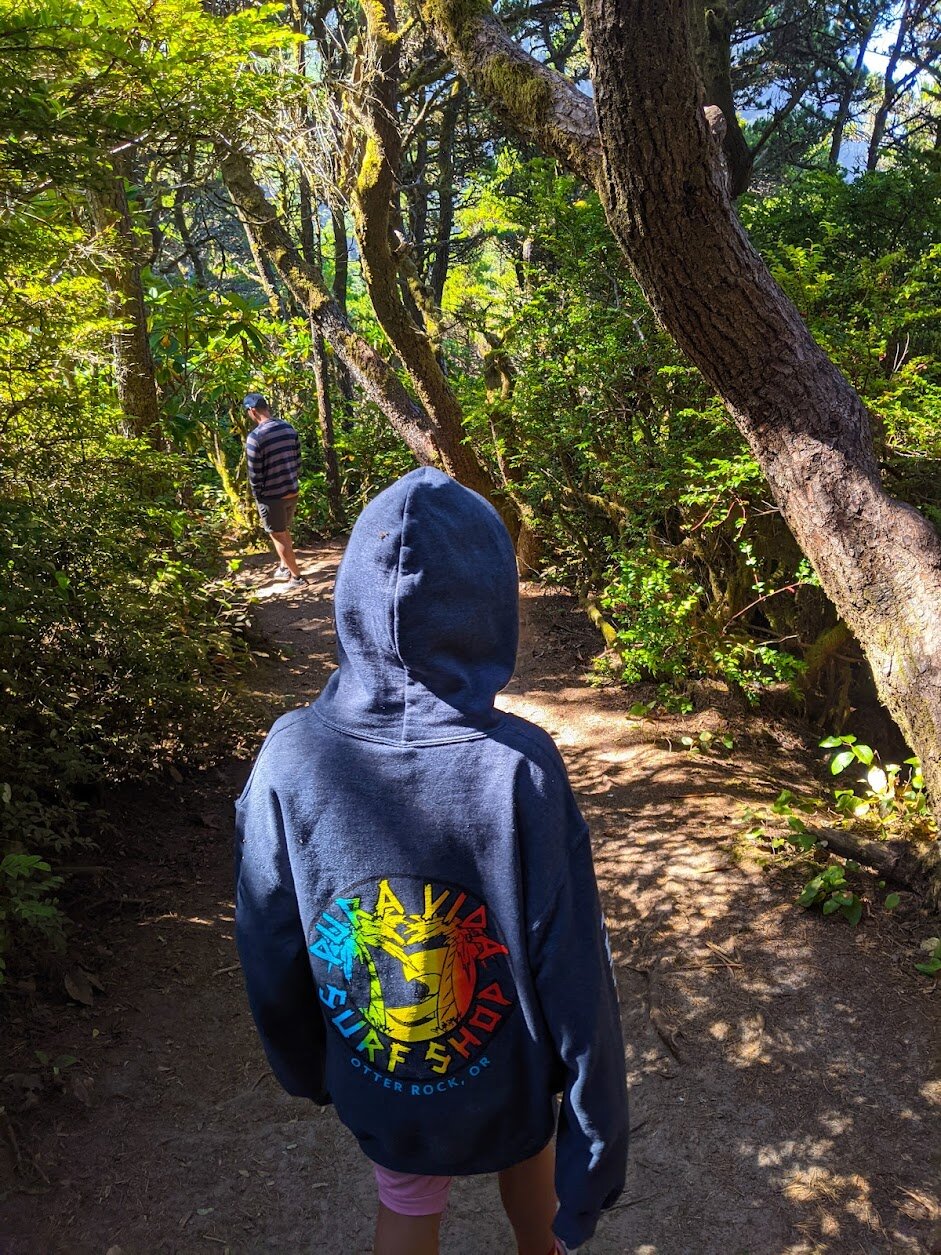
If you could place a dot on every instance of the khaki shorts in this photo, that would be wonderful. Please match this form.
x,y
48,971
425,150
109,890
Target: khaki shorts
x,y
277,513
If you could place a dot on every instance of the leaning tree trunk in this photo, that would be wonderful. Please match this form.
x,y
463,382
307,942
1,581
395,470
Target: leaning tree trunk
x,y
133,361
668,205
667,201
713,26
377,379
889,91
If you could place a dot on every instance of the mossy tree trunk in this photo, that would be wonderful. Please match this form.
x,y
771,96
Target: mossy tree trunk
x,y
371,199
438,271
667,200
133,361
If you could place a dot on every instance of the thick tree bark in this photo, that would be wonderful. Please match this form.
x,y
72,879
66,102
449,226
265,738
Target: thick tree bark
x,y
667,201
133,361
372,204
377,379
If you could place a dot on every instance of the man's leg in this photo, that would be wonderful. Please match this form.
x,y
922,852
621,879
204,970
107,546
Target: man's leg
x,y
528,1193
285,551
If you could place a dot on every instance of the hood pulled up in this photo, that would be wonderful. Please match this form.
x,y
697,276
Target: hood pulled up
x,y
426,609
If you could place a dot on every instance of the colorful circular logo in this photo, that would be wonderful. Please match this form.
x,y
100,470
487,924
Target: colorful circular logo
x,y
413,974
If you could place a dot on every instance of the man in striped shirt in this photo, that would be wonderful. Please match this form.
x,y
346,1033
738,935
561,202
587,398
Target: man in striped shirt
x,y
274,464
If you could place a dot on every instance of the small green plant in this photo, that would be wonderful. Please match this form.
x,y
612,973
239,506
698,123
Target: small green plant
x,y
830,889
640,710
27,886
708,742
674,701
55,1068
930,966
785,805
890,795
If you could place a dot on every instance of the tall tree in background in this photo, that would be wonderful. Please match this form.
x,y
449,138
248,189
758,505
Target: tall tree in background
x,y
133,360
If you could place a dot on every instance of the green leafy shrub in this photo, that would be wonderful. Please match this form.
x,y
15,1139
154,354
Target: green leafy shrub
x,y
117,639
644,496
890,796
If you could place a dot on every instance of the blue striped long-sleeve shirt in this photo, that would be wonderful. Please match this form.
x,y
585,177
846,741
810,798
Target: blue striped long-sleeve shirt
x,y
274,459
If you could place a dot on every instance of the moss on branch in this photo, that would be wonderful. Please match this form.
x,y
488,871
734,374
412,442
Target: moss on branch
x,y
525,94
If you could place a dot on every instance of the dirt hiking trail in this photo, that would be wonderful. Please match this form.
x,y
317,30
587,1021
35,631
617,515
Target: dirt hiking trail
x,y
779,1063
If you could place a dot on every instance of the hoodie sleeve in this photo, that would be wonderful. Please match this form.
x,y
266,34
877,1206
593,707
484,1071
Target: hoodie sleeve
x,y
571,966
272,948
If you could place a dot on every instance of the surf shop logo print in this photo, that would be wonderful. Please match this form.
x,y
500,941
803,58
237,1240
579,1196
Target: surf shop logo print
x,y
412,974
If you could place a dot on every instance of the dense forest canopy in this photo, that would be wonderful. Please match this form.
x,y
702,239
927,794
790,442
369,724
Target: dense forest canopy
x,y
389,221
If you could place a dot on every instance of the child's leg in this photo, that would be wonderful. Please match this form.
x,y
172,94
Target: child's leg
x,y
406,1235
410,1210
528,1193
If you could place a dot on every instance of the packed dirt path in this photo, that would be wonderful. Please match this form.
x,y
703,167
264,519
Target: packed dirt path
x,y
779,1063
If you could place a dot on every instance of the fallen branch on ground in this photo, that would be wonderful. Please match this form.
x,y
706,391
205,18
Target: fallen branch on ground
x,y
897,860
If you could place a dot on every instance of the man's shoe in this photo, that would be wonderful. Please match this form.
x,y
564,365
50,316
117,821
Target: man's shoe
x,y
282,573
296,581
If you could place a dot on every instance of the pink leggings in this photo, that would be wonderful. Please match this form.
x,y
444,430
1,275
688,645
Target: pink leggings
x,y
409,1195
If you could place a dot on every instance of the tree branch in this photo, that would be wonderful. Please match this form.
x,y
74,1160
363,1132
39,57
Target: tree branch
x,y
536,101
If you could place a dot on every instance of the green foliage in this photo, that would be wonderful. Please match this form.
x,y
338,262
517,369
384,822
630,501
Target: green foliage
x,y
114,642
931,965
890,797
27,901
115,634
646,499
861,261
891,802
708,742
79,77
643,493
830,890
